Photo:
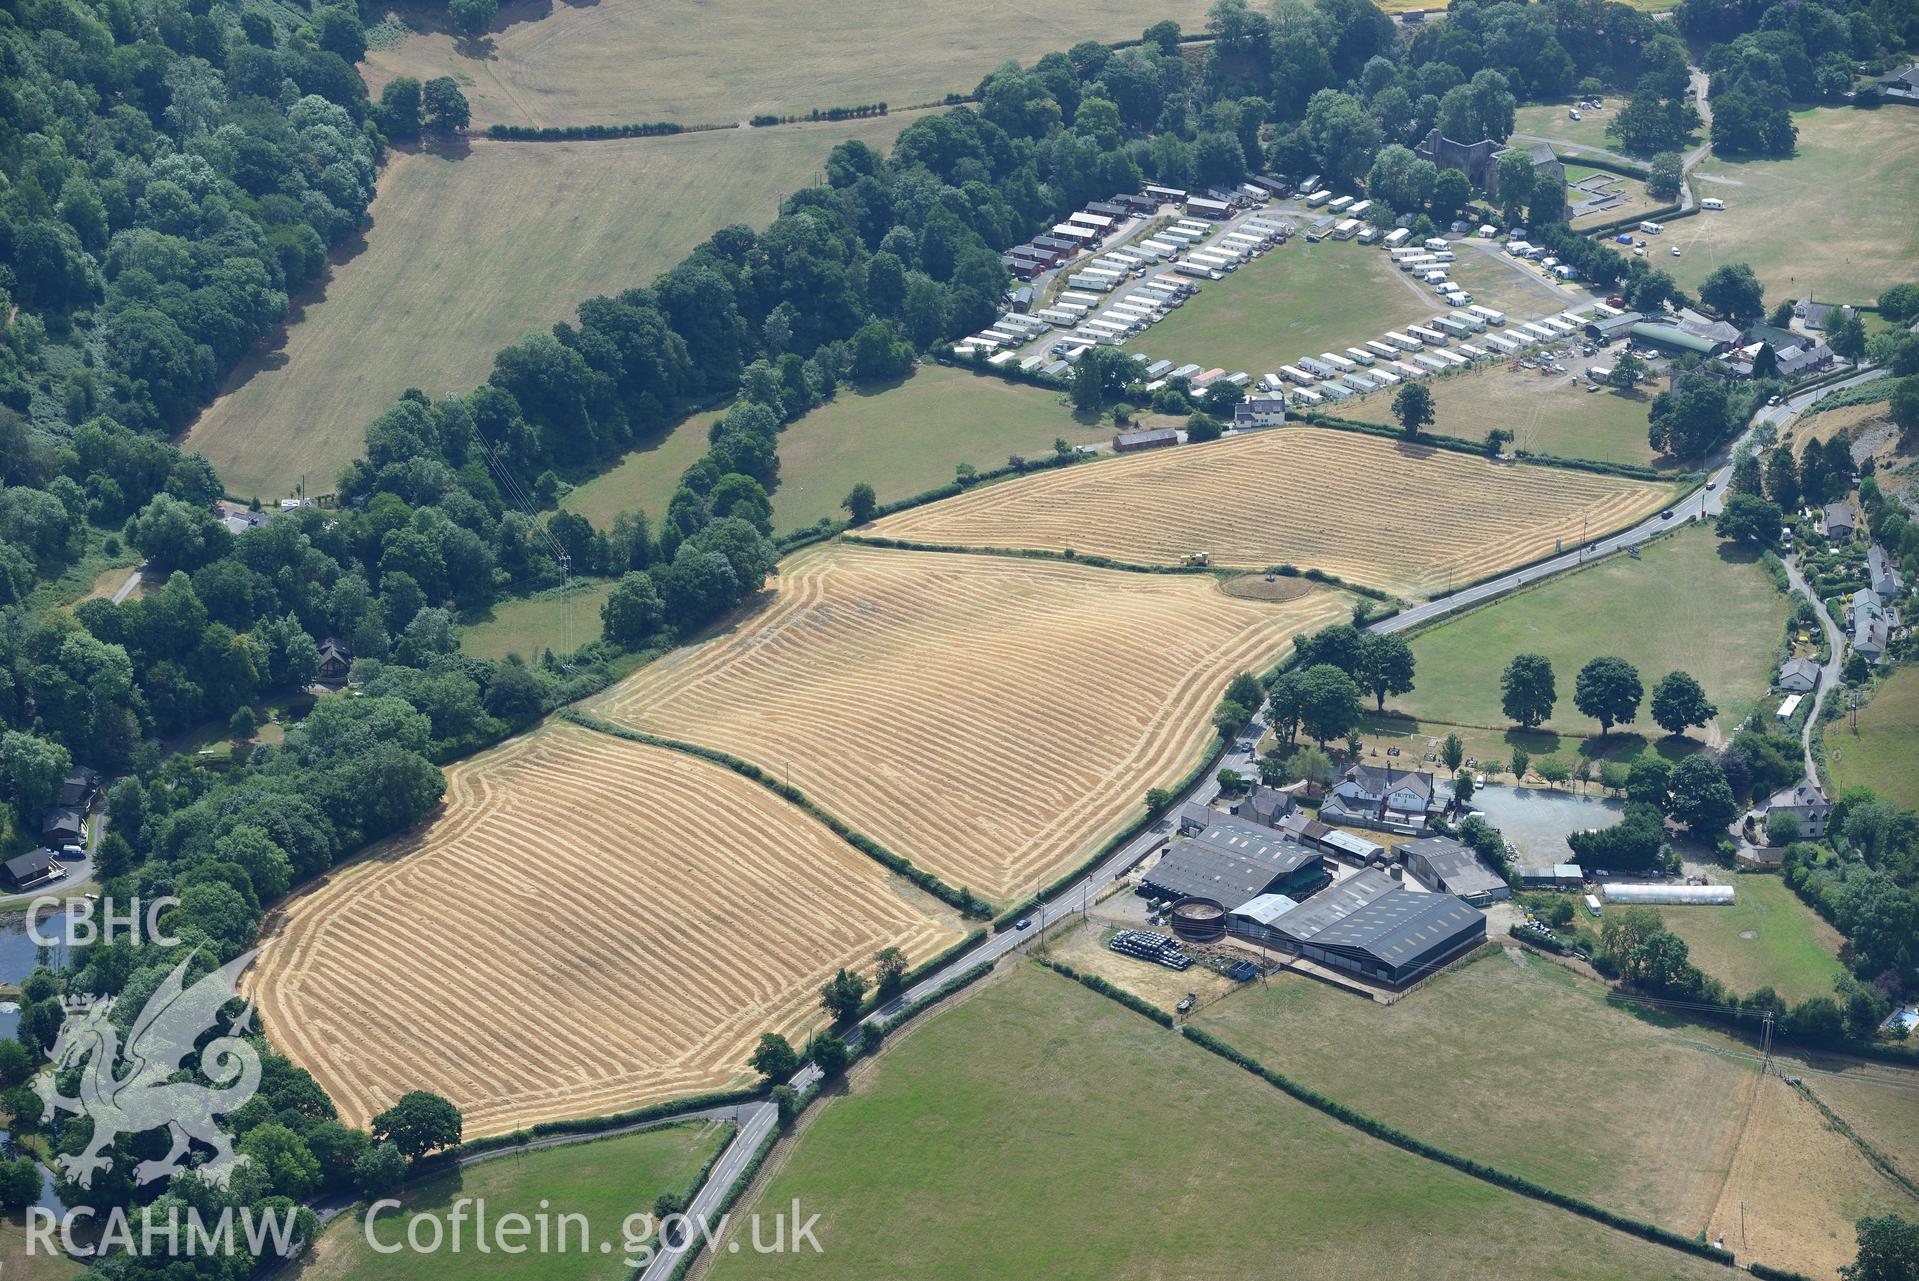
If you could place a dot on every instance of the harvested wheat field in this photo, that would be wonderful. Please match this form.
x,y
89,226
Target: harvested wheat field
x,y
590,925
1802,1186
989,718
1404,518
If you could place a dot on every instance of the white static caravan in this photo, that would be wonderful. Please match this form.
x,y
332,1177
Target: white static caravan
x,y
1297,374
1558,327
1179,236
1186,371
1251,244
1357,383
1430,362
1416,264
1369,236
1520,337
1217,262
1306,396
1340,205
1238,378
1083,299
1032,363
1386,351
1438,243
1347,229
1196,271
1404,342
1335,391
1359,355
1360,210
1471,352
1059,315
1475,323
1270,382
1426,334
1159,369
1318,368
1386,377
1098,337
1174,283
1195,224
1539,333
1083,283
1336,360
1000,336
1443,256
1406,370
1400,253
1397,238
1451,359
1499,344
1164,248
1607,311
1450,327
1002,358
1318,198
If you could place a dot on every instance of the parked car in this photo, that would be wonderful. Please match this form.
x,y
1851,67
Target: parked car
x,y
1675,251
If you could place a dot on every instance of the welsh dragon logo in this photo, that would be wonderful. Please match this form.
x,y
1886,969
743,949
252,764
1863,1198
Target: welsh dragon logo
x,y
146,1097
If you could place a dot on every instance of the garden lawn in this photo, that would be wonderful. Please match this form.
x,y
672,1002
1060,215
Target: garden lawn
x,y
529,625
1689,603
1298,300
1881,753
606,1180
1041,1130
1791,950
1834,222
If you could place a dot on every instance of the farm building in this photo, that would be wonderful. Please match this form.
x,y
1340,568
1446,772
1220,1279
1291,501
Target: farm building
x,y
1231,863
1839,522
1369,925
1881,574
1380,796
1201,207
1555,876
1872,622
1192,818
1803,801
1606,329
31,869
1344,846
1441,863
1259,411
1128,442
1673,338
1798,676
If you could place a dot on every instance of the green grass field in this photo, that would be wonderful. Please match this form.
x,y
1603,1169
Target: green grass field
x,y
1040,1130
1686,604
903,439
694,62
1298,300
1833,222
19,1265
1551,414
1791,950
1549,120
605,1180
528,626
1881,754
1497,1059
465,255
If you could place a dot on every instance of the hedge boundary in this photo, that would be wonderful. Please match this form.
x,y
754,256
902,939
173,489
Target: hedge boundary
x,y
1139,1005
673,1110
598,133
966,901
1874,1157
1465,1165
1460,445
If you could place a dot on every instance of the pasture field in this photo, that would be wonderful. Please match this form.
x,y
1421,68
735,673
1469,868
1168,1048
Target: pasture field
x,y
1689,603
1881,753
1879,1102
1827,223
1800,1185
645,479
37,1265
1497,281
622,61
531,625
991,719
589,925
1791,949
1038,1129
1406,518
903,439
467,253
1298,300
1484,1061
1549,120
605,1180
1546,413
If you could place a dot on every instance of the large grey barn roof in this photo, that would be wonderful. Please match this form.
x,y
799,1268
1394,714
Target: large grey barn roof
x,y
1269,847
1398,926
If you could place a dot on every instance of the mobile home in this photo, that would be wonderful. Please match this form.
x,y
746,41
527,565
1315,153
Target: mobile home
x,y
1340,205
1361,356
1430,336
1475,323
1430,362
1403,341
1384,350
1197,271
1397,237
1306,396
1405,370
1360,210
1318,198
1297,374
1335,391
1450,327
1336,360
1347,229
1500,345
1318,368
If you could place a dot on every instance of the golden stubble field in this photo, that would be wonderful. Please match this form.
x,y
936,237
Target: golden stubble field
x,y
590,925
468,252
1408,519
989,718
